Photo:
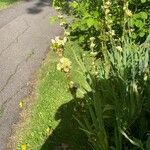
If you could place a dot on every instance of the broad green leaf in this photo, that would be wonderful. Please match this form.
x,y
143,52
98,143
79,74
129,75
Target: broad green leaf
x,y
143,1
96,13
134,36
141,34
74,4
75,26
143,15
81,39
139,23
90,22
96,25
131,22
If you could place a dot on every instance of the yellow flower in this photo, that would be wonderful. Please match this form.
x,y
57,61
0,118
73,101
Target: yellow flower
x,y
66,69
21,104
62,23
60,16
92,45
71,84
125,7
48,130
128,12
24,147
105,6
92,39
84,54
54,45
58,44
58,8
112,32
107,11
119,48
135,88
59,67
93,54
145,77
64,65
63,41
67,33
60,51
108,3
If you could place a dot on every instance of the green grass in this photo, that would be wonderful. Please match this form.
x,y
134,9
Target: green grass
x,y
7,3
50,122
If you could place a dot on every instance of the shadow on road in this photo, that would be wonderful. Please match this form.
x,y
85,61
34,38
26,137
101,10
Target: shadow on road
x,y
38,6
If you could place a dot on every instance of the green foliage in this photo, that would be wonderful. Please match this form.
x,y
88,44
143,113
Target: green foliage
x,y
116,115
6,3
96,17
140,20
116,34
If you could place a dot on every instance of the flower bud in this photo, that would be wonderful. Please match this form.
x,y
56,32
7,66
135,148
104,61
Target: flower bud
x,y
119,48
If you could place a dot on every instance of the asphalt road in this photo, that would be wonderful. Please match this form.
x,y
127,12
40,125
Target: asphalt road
x,y
25,34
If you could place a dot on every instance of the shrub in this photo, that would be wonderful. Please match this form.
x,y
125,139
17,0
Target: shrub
x,y
115,33
98,16
118,108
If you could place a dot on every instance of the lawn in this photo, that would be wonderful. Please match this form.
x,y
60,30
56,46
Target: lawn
x,y
49,123
116,64
6,3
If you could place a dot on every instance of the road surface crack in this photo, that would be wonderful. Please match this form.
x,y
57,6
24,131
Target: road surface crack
x,y
16,39
13,74
7,82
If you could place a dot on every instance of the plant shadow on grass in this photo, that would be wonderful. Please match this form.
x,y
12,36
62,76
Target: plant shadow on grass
x,y
112,91
67,135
